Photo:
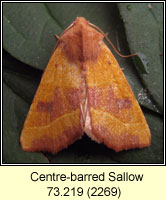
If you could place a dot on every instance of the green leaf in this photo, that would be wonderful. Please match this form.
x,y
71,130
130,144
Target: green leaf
x,y
13,118
28,20
29,30
18,74
144,27
141,63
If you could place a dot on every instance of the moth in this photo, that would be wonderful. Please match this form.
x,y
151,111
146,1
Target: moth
x,y
83,90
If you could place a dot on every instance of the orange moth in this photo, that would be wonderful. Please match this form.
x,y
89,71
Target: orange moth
x,y
82,90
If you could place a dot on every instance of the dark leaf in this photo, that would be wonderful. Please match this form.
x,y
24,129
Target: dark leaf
x,y
144,30
141,63
13,119
28,30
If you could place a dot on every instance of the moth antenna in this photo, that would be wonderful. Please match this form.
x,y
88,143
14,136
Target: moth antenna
x,y
69,27
57,37
105,36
